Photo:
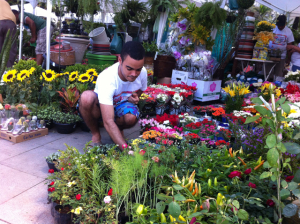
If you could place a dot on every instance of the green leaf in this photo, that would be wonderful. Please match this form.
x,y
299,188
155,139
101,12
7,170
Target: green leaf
x,y
297,176
271,141
236,204
266,165
286,107
272,157
257,101
296,192
292,148
280,101
264,175
163,197
160,207
243,215
271,124
179,197
292,186
284,183
284,194
251,119
177,187
273,178
174,209
261,110
282,147
196,214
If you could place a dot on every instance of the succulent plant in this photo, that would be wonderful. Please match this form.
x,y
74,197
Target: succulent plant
x,y
25,124
13,108
10,126
28,117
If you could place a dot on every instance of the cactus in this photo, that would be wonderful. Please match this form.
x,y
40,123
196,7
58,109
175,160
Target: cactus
x,y
28,117
26,126
19,122
10,126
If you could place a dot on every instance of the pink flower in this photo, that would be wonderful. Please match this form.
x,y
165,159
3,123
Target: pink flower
x,y
252,185
270,203
62,169
107,199
142,152
7,107
125,146
155,159
130,152
248,171
235,174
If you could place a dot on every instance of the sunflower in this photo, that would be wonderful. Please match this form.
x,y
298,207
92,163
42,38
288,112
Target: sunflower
x,y
10,76
92,71
94,82
32,70
22,75
84,77
73,76
59,74
49,75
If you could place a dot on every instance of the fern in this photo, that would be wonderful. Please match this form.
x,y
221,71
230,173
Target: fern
x,y
211,15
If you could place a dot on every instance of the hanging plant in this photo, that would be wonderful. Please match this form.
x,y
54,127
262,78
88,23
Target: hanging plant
x,y
245,4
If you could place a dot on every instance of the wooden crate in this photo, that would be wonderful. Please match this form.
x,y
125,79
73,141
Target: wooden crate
x,y
24,136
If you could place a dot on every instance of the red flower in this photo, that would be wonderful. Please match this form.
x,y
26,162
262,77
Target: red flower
x,y
159,151
289,178
248,171
235,174
62,169
51,189
52,183
270,203
7,107
51,171
78,196
110,192
252,185
142,152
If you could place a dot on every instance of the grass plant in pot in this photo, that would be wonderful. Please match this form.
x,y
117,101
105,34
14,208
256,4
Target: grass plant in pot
x,y
52,161
65,123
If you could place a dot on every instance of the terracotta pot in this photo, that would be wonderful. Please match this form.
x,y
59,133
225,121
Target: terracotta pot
x,y
164,65
250,13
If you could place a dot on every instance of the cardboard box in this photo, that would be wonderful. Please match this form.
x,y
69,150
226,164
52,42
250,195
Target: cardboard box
x,y
165,80
179,77
24,136
207,90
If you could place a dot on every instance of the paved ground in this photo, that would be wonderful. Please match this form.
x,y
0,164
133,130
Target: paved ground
x,y
23,169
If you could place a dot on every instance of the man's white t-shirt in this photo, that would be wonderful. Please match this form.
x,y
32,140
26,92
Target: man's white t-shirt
x,y
112,90
295,59
282,38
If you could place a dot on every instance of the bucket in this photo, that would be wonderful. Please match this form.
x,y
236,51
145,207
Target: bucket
x,y
163,66
99,34
97,59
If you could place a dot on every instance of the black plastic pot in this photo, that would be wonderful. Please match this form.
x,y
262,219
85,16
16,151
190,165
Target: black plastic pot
x,y
51,166
49,124
61,214
65,128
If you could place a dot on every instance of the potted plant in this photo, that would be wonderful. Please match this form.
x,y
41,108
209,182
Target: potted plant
x,y
65,123
245,4
46,115
150,50
161,100
52,161
208,129
231,17
193,127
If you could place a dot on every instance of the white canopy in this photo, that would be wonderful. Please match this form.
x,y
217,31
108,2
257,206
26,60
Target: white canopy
x,y
36,11
289,7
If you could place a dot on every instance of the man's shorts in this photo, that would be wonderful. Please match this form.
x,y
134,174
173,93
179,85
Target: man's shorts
x,y
41,40
121,109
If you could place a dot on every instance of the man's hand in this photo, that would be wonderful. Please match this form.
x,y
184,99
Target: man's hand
x,y
134,98
290,47
32,40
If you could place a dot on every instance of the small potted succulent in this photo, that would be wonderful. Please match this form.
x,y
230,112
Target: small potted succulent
x,y
52,161
65,123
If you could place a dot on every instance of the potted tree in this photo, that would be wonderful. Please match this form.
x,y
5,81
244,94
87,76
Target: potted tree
x,y
65,123
150,50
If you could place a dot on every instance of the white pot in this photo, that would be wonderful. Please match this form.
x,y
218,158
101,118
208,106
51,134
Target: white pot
x,y
99,35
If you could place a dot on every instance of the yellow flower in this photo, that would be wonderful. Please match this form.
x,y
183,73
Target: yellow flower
x,y
59,74
28,82
10,76
32,70
73,76
277,92
49,75
22,75
231,93
226,89
66,73
94,82
41,77
77,210
84,77
92,71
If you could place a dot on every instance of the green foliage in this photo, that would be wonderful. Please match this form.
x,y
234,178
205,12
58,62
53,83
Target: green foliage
x,y
234,103
83,68
53,157
65,118
150,47
211,15
245,4
43,112
89,26
171,5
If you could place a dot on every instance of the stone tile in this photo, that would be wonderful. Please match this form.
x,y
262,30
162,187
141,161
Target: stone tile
x,y
4,222
32,162
13,149
29,207
14,182
3,156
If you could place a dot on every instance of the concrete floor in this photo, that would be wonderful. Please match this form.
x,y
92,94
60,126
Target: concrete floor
x,y
23,169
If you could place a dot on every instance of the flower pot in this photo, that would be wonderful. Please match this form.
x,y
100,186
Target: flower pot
x,y
164,65
211,137
149,60
61,214
49,124
174,111
79,46
99,35
160,110
65,128
195,131
52,166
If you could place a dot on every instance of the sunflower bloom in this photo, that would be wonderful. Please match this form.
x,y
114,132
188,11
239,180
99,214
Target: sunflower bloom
x,y
73,76
92,72
32,70
22,75
49,75
84,77
10,76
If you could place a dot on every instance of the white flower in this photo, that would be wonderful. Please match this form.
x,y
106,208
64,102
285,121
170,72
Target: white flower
x,y
166,122
107,199
130,152
71,183
77,210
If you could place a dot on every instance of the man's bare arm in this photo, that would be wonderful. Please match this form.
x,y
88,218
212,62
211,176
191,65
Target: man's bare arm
x,y
32,27
108,115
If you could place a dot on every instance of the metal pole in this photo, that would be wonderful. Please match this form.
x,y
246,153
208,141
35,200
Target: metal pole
x,y
48,30
21,28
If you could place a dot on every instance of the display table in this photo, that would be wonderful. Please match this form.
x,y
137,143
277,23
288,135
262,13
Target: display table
x,y
261,61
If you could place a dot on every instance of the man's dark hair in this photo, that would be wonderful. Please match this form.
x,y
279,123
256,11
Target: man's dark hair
x,y
134,49
16,12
